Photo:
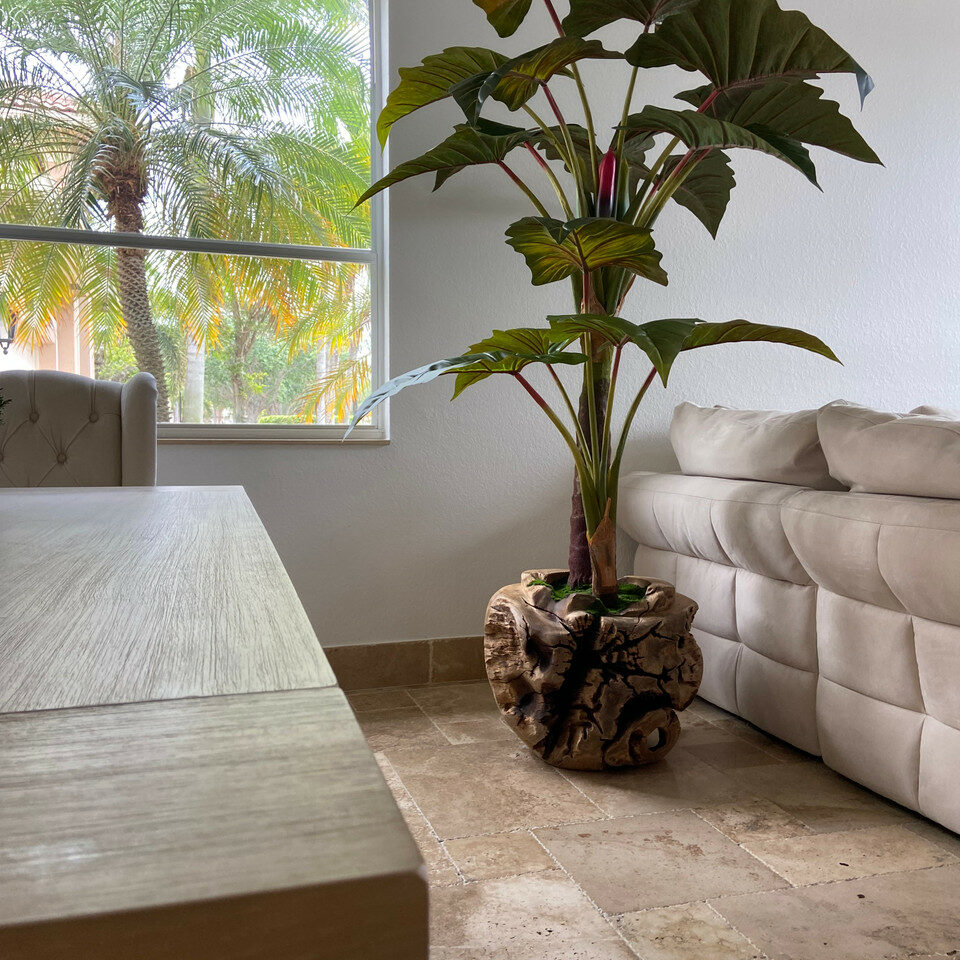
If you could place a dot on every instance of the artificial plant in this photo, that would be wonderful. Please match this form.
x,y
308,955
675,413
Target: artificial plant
x,y
758,60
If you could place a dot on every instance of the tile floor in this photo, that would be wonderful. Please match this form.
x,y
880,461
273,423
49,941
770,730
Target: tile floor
x,y
736,847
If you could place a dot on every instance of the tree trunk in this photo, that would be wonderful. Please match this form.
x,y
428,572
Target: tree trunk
x,y
193,386
135,305
581,564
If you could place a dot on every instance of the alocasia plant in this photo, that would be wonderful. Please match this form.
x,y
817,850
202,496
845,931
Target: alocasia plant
x,y
758,60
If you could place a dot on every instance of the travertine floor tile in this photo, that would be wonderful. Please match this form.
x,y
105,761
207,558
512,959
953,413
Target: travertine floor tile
x,y
742,820
773,746
654,861
879,917
679,781
731,754
690,932
823,857
406,727
475,731
386,698
503,917
822,799
456,701
441,870
499,855
491,787
703,708
933,832
695,730
574,950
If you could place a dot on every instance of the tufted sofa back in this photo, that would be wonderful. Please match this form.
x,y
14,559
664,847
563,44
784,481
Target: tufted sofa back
x,y
63,430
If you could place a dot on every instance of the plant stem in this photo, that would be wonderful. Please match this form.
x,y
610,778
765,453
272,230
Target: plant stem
x,y
558,189
533,197
608,416
582,469
581,439
573,165
614,475
553,16
542,124
628,99
591,133
637,204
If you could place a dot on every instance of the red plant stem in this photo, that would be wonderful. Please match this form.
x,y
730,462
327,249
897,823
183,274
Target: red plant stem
x,y
708,102
553,105
553,16
531,390
650,378
536,155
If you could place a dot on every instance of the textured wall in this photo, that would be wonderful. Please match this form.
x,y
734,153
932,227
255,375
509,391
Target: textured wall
x,y
409,540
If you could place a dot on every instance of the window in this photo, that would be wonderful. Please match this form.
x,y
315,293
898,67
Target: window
x,y
177,187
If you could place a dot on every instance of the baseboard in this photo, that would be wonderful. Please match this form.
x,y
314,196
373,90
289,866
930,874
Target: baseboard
x,y
407,663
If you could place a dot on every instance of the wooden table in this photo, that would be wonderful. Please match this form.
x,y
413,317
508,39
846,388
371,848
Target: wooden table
x,y
180,776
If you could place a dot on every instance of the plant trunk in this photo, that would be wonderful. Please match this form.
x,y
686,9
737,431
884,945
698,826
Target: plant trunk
x,y
193,385
135,305
585,568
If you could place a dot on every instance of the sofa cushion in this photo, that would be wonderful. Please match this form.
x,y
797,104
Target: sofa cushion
x,y
731,522
750,445
913,454
901,553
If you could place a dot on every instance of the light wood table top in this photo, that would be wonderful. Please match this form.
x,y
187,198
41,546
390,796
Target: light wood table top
x,y
261,817
180,776
119,595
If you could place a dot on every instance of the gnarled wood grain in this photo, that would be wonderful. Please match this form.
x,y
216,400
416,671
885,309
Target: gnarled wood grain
x,y
587,691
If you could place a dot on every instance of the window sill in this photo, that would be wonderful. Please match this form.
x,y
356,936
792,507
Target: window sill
x,y
269,433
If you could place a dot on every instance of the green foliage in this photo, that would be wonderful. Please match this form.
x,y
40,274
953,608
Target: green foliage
x,y
505,16
467,146
234,119
700,132
745,43
587,16
627,594
759,60
433,80
520,79
555,250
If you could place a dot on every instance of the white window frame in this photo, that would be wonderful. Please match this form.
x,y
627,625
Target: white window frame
x,y
377,428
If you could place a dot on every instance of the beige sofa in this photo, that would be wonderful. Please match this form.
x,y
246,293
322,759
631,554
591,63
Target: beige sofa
x,y
828,618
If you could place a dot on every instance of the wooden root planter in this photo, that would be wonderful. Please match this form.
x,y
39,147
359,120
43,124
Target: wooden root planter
x,y
587,690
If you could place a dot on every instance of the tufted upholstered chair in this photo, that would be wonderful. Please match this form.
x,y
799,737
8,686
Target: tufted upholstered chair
x,y
63,430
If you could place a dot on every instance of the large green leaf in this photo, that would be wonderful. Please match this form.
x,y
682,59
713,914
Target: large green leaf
x,y
555,250
505,15
504,351
517,80
509,351
465,147
700,132
739,43
585,16
793,108
432,80
420,375
671,337
705,192
612,330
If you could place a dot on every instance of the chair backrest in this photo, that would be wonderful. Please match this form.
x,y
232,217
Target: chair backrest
x,y
63,430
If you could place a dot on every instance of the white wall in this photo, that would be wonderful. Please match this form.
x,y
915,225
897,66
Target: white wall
x,y
409,540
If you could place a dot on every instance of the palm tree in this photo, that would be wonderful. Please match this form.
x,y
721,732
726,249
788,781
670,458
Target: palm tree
x,y
233,119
